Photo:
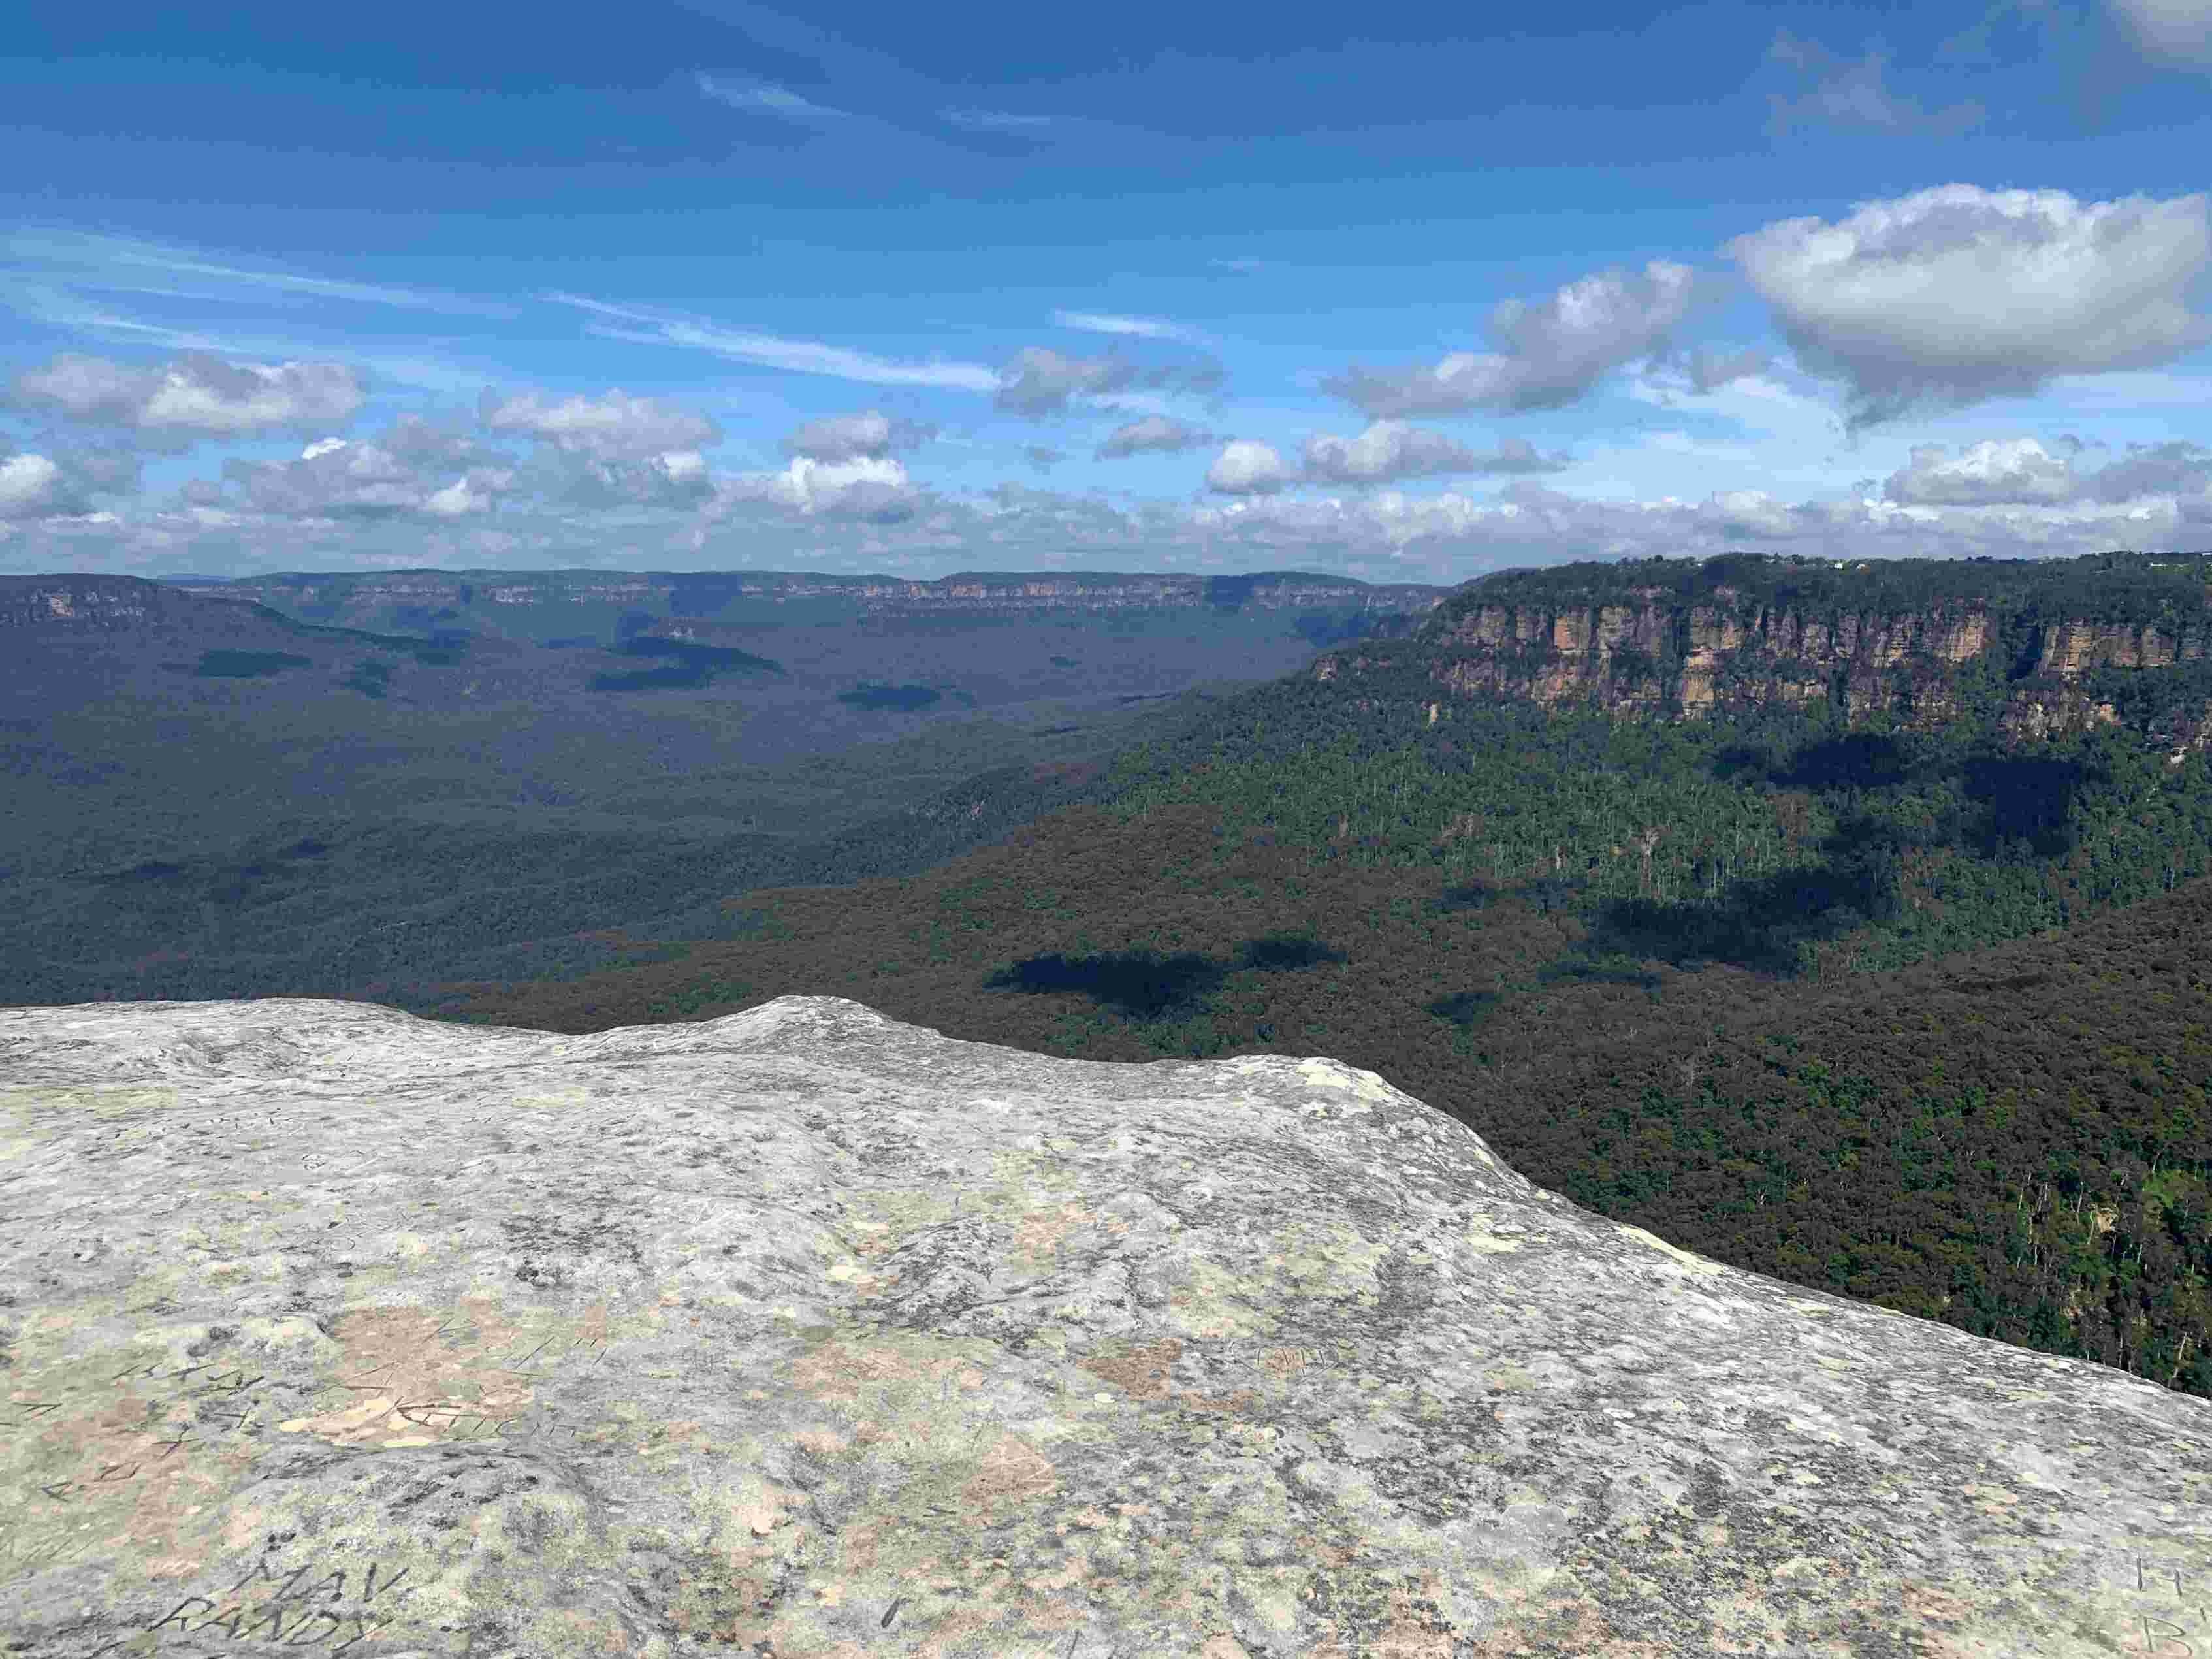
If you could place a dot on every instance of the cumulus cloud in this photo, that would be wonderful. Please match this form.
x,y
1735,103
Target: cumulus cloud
x,y
195,396
1995,470
1528,523
1958,294
616,426
1040,381
412,471
1555,350
1390,450
1245,467
875,488
2177,468
1853,94
1154,431
864,516
2026,471
33,486
2177,31
835,438
670,479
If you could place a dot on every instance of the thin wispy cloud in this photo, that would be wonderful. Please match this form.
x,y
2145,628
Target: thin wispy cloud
x,y
772,351
760,97
1846,94
123,265
989,120
1142,328
53,308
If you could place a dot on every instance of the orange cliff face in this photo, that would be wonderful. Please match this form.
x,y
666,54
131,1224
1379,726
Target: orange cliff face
x,y
1663,657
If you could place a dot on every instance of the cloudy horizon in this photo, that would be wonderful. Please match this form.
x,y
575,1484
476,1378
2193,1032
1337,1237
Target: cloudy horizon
x,y
731,291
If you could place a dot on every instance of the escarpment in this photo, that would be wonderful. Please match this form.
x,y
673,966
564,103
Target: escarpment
x,y
1924,640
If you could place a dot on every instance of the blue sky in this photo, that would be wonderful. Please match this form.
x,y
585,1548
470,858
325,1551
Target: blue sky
x,y
707,286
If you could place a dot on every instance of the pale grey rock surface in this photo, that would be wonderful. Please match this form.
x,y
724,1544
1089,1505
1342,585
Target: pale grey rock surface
x,y
805,1333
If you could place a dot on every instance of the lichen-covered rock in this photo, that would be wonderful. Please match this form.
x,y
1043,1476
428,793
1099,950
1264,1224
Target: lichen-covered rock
x,y
801,1332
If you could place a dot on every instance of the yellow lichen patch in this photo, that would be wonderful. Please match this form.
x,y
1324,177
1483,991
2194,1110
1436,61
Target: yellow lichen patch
x,y
82,1104
1336,1075
1207,1304
1479,1237
1695,1264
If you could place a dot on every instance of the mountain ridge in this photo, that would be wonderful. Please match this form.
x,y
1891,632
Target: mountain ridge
x,y
1926,642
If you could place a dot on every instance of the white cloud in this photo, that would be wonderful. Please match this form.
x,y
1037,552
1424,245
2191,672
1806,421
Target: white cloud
x,y
1389,450
2178,32
1159,433
615,425
1143,328
2176,468
1995,470
1555,348
835,438
866,516
772,351
871,487
195,396
1039,381
1899,300
1245,467
33,487
412,470
671,478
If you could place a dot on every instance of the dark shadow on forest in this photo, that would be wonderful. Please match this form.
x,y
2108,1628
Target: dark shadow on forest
x,y
1139,984
1469,896
1756,923
1286,952
1580,969
2025,799
1860,760
1465,1009
1146,985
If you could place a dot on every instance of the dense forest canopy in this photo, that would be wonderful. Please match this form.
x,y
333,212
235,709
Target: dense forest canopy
x,y
2116,586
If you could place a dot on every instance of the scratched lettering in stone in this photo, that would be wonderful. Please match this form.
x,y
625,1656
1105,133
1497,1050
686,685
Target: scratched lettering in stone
x,y
295,1611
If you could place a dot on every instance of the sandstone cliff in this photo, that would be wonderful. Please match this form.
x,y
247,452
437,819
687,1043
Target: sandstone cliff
x,y
1918,641
331,1330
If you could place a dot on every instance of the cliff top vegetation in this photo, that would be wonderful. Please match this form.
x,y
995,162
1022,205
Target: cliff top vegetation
x,y
2118,587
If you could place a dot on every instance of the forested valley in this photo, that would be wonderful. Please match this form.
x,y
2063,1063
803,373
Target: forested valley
x,y
1914,1013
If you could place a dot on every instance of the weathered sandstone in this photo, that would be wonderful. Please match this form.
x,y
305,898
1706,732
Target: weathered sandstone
x,y
805,1333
